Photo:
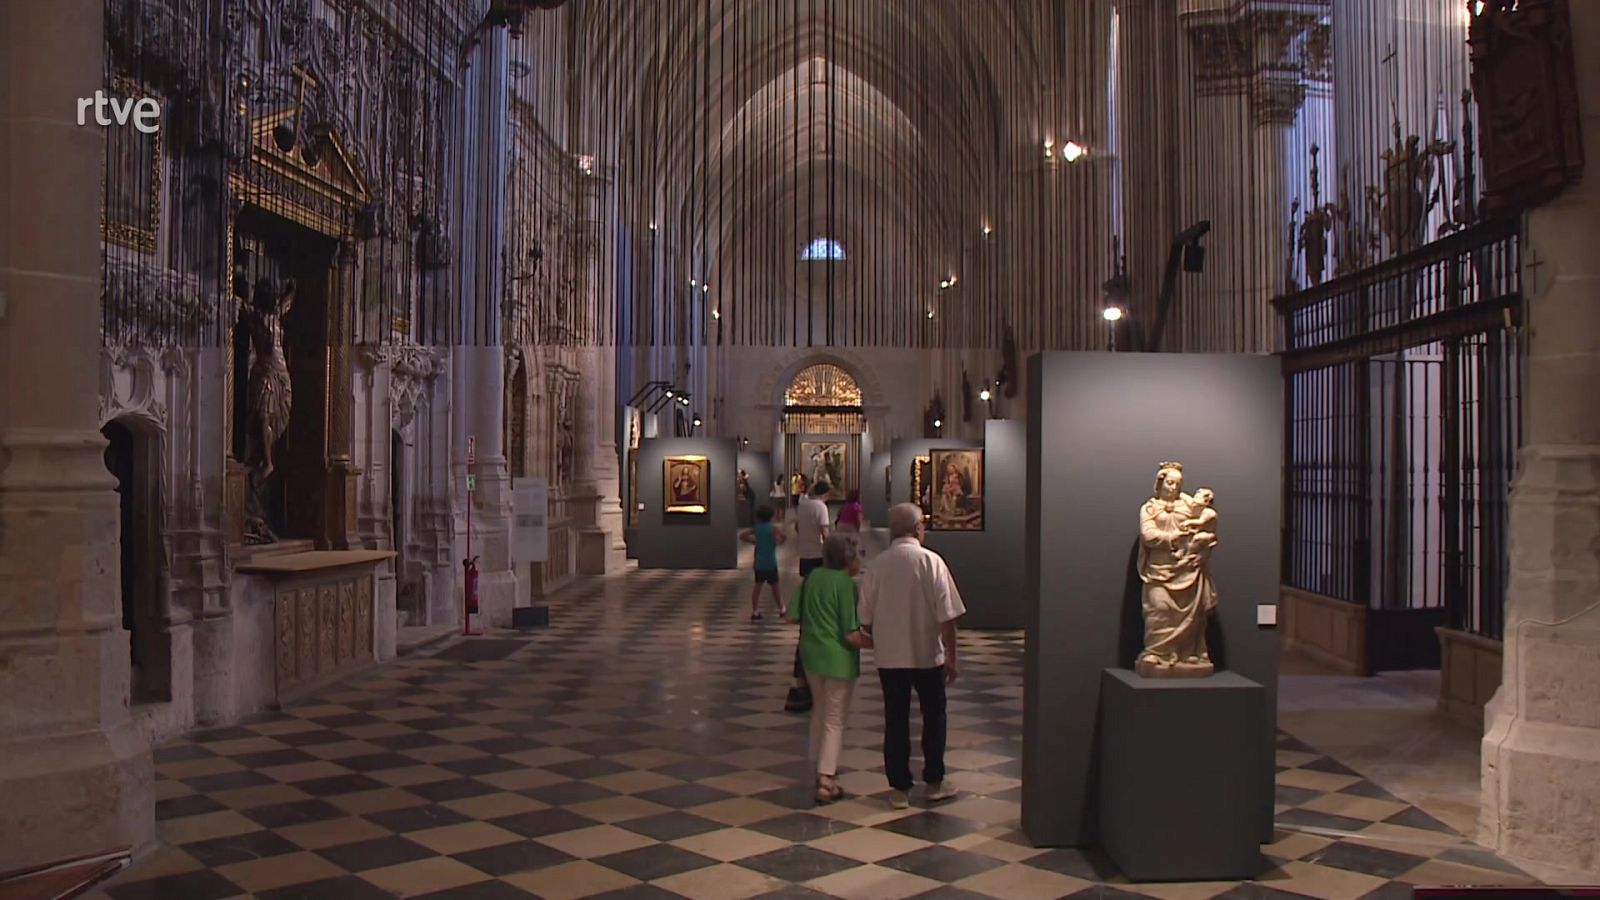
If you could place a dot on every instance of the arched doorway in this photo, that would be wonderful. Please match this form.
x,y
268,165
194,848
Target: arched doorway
x,y
823,428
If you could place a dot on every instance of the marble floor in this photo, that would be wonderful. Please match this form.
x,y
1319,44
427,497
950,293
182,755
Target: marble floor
x,y
637,748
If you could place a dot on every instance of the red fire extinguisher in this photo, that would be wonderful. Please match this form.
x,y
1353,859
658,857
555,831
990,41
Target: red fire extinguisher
x,y
469,592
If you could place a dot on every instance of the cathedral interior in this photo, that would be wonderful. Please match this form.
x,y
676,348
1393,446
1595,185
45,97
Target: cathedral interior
x,y
386,385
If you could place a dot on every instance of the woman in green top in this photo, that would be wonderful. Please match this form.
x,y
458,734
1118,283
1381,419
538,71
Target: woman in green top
x,y
830,650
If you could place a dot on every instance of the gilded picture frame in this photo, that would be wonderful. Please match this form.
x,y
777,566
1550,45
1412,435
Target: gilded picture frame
x,y
921,478
686,485
955,493
130,202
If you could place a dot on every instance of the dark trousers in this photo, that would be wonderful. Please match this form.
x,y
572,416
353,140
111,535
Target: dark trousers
x,y
807,566
897,687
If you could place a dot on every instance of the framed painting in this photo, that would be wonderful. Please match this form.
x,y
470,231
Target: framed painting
x,y
921,480
687,484
957,490
130,213
827,461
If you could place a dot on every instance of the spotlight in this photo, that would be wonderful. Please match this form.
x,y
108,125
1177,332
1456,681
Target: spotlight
x,y
716,314
705,288
987,231
694,282
1049,149
938,423
652,226
1073,151
984,395
671,392
1111,313
684,400
697,421
944,283
930,312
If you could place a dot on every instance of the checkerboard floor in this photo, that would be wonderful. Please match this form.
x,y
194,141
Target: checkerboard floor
x,y
637,748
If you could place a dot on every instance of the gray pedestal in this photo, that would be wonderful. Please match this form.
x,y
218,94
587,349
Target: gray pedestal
x,y
1182,775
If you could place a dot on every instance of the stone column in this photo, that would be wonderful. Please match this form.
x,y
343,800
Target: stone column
x,y
478,369
75,773
1541,746
1249,84
594,500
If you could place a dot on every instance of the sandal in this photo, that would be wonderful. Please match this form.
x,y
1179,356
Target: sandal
x,y
828,791
755,617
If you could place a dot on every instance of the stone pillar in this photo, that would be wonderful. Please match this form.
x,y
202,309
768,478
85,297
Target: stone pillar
x,y
1541,746
478,372
594,498
1249,83
75,773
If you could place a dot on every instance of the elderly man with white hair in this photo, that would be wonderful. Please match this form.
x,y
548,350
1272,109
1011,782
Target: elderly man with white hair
x,y
909,605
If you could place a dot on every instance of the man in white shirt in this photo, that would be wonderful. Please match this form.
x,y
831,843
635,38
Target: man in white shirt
x,y
909,604
810,531
811,527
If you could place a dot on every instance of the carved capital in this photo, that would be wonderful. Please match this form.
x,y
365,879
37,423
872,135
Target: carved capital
x,y
1266,51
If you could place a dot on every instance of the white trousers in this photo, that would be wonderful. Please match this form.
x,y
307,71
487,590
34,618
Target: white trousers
x,y
830,707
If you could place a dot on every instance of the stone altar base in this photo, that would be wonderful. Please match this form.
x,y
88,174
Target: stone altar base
x,y
1181,776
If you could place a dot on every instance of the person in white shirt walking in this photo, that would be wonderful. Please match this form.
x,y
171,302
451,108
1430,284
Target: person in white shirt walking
x,y
909,605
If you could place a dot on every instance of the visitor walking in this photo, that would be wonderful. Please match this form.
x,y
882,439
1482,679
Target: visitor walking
x,y
766,538
779,500
830,650
810,530
909,607
852,517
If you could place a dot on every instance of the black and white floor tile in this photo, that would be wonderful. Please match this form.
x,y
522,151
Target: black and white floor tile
x,y
637,748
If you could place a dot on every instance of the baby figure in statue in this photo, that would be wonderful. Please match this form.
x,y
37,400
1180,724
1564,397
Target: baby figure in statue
x,y
1202,528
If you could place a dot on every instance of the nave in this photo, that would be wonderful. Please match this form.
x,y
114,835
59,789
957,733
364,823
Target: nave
x,y
636,748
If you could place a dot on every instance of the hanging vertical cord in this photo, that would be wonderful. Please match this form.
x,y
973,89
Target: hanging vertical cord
x,y
828,64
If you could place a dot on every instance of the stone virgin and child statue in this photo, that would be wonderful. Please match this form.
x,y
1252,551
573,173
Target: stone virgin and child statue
x,y
1177,533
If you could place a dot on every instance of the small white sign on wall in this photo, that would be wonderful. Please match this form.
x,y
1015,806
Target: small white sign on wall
x,y
530,507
